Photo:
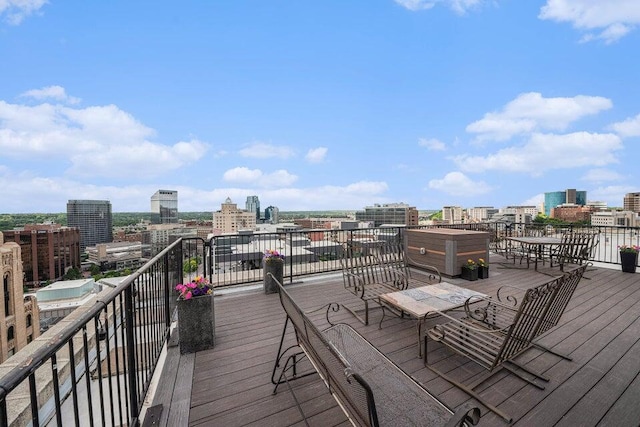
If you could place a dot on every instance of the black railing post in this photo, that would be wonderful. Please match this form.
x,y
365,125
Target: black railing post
x,y
131,346
167,291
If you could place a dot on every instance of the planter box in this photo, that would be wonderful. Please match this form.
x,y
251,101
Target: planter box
x,y
196,324
469,274
447,249
483,272
629,260
275,267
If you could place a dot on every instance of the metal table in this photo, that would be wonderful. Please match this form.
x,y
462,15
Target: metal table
x,y
537,246
422,302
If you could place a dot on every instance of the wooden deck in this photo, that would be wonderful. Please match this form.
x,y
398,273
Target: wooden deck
x,y
230,384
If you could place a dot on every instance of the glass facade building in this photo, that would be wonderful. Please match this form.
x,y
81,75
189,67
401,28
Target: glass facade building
x,y
93,218
557,198
253,205
164,207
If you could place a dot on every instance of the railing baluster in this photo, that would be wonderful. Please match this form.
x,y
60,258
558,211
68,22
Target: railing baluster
x,y
74,389
87,373
56,389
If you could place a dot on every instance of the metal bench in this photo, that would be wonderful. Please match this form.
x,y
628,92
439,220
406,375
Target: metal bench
x,y
368,386
370,272
493,333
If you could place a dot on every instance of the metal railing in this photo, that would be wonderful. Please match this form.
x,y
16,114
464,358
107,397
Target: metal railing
x,y
96,366
232,260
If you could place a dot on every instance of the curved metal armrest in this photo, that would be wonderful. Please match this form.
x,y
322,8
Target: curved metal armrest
x,y
466,415
331,307
426,267
509,298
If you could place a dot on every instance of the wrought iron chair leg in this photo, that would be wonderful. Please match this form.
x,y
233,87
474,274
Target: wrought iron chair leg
x,y
471,393
469,390
555,353
522,377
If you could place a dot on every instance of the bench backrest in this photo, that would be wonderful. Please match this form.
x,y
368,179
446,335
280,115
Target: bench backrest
x,y
350,389
362,265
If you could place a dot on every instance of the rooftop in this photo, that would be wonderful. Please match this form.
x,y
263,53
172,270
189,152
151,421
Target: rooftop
x,y
230,384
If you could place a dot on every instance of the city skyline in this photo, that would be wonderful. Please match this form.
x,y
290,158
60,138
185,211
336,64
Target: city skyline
x,y
314,107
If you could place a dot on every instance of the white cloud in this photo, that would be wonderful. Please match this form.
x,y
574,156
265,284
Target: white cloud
x,y
628,127
531,112
242,174
612,194
93,141
416,5
56,93
15,11
432,144
601,175
262,150
537,200
546,152
459,6
607,20
278,179
458,184
316,155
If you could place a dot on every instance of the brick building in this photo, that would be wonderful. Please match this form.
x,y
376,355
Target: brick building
x,y
48,250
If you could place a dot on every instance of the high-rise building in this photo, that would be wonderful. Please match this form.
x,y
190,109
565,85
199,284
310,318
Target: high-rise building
x,y
632,202
93,218
392,213
481,213
253,205
452,214
48,250
230,219
271,214
19,315
164,207
557,198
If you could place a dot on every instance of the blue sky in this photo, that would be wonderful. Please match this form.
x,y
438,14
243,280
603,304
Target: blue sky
x,y
317,105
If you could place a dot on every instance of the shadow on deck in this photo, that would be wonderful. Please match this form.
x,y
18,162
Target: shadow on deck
x,y
230,384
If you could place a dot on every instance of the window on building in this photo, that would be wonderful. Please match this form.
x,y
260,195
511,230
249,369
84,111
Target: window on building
x,y
10,333
29,338
29,321
7,296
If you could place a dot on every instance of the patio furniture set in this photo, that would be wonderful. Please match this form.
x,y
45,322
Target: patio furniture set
x,y
491,332
570,248
370,388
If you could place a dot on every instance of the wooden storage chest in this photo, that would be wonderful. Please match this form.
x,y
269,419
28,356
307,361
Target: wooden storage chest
x,y
446,248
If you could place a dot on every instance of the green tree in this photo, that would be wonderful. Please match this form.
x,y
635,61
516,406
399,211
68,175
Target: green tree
x,y
72,274
190,265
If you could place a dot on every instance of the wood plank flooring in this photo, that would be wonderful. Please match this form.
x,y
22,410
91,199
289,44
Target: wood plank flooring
x,y
600,330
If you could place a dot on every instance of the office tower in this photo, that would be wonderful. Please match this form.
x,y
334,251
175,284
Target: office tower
x,y
164,207
452,214
392,213
93,218
253,205
48,250
271,214
632,202
556,198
